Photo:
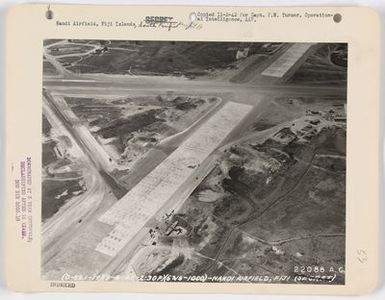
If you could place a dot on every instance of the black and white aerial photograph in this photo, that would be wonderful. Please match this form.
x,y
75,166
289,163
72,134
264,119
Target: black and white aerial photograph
x,y
189,161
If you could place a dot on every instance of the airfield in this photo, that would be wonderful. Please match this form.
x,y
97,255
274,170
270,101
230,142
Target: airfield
x,y
230,166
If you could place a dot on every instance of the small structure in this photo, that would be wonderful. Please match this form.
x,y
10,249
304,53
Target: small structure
x,y
315,122
242,53
285,136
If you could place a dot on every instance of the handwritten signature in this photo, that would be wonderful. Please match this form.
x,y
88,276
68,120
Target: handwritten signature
x,y
170,25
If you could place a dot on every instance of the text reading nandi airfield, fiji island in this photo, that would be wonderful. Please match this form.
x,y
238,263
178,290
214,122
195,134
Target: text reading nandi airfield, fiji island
x,y
194,161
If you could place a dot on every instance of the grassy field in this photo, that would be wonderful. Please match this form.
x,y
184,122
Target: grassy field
x,y
55,194
49,69
328,65
49,155
48,42
166,58
68,49
46,126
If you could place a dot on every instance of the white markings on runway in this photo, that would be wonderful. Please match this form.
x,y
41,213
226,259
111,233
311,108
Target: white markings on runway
x,y
135,209
287,60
